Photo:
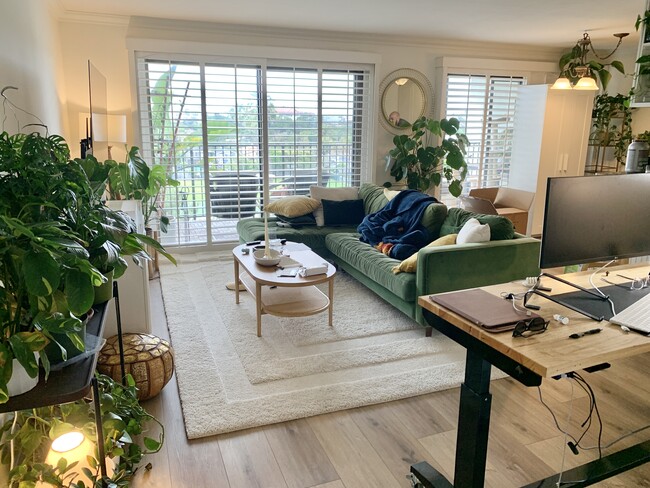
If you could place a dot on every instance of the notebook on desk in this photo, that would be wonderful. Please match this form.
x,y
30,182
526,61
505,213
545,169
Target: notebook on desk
x,y
488,311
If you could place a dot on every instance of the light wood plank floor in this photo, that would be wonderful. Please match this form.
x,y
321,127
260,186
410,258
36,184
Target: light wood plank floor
x,y
374,446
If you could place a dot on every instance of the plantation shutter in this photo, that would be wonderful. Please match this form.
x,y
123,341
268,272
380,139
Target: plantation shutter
x,y
223,129
485,107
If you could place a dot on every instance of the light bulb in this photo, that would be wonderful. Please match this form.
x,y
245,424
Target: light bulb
x,y
586,83
562,83
67,442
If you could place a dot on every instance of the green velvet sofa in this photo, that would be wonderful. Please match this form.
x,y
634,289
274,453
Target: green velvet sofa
x,y
509,256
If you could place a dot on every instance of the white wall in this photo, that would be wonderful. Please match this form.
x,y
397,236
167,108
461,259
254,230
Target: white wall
x,y
30,61
104,41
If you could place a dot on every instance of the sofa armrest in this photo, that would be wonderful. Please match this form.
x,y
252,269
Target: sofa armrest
x,y
460,266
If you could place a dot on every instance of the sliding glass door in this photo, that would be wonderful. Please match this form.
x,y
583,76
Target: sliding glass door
x,y
225,130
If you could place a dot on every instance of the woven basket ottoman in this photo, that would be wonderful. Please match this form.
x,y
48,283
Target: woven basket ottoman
x,y
149,359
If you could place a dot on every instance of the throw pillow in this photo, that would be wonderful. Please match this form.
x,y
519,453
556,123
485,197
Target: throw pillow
x,y
298,222
500,227
294,206
337,194
473,231
345,212
410,264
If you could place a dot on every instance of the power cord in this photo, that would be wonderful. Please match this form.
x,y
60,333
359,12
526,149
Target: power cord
x,y
593,285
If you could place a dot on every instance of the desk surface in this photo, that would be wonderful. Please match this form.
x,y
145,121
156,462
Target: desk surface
x,y
552,352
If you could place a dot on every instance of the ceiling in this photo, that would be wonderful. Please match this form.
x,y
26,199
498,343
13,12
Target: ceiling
x,y
551,23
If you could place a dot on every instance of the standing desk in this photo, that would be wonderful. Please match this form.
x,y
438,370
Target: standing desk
x,y
529,361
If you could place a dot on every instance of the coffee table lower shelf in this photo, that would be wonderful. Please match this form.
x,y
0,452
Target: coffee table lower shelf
x,y
286,301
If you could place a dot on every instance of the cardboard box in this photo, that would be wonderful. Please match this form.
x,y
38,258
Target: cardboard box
x,y
511,203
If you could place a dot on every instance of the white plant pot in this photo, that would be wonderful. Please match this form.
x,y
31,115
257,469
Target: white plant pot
x,y
20,381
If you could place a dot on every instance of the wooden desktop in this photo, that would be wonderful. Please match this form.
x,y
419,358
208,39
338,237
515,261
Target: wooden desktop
x,y
529,360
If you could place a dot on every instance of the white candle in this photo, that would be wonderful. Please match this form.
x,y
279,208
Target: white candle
x,y
267,245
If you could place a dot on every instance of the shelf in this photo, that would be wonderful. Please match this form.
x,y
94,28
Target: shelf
x,y
66,385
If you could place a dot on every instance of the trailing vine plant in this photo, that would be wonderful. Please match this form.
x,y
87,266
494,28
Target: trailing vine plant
x,y
608,109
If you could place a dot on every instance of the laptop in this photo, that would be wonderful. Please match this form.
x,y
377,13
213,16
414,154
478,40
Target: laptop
x,y
488,311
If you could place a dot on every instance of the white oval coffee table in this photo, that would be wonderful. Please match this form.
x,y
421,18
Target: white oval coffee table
x,y
284,296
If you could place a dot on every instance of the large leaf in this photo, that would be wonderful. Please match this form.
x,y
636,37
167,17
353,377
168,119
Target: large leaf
x,y
42,274
455,188
604,76
450,126
618,66
79,290
24,355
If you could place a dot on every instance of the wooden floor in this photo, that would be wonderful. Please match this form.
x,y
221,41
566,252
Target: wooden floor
x,y
374,446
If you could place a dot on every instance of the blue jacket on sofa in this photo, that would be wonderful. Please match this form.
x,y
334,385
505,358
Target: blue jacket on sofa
x,y
398,223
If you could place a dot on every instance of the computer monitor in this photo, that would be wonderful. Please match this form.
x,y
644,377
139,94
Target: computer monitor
x,y
595,218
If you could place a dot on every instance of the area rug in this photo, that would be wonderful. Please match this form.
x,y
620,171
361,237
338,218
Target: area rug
x,y
230,379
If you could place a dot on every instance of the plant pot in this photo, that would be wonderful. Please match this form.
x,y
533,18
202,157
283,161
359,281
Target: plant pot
x,y
104,292
54,352
20,381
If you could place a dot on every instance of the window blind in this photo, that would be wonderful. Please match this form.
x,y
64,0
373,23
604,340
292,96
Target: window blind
x,y
224,129
485,107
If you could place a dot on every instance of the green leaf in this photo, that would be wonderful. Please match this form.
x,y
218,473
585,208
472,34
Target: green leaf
x,y
42,273
24,355
79,290
450,126
643,59
618,66
455,188
565,58
604,76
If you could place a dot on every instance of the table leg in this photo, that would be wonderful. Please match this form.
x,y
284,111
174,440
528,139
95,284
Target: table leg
x,y
331,297
236,281
473,422
258,307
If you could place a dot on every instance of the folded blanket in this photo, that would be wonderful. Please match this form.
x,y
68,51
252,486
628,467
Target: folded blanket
x,y
398,223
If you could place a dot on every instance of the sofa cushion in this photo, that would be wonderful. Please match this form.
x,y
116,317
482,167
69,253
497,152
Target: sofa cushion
x,y
373,198
293,206
375,265
500,227
345,212
298,222
410,264
337,194
433,218
252,229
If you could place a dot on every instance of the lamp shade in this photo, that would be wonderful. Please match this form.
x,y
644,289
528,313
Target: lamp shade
x,y
586,83
116,128
562,83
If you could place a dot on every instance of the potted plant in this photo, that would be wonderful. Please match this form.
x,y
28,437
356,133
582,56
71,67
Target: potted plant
x,y
46,278
135,180
574,64
124,423
607,110
422,164
57,242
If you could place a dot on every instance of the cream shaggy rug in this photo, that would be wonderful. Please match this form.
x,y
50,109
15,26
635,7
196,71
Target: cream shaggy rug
x,y
230,379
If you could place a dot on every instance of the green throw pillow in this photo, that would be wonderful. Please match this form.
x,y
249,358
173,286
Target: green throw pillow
x,y
500,227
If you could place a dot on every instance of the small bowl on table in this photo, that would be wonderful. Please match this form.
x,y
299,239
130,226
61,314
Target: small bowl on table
x,y
262,260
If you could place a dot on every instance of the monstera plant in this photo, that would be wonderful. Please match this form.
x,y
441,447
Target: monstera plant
x,y
422,164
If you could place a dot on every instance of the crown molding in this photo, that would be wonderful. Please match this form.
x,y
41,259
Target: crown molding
x,y
76,17
158,28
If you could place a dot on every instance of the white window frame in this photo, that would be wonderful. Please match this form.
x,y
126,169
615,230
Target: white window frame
x,y
367,161
534,72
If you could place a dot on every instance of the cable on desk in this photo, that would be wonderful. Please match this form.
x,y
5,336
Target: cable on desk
x,y
591,282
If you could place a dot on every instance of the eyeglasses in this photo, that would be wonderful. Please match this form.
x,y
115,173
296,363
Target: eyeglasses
x,y
527,328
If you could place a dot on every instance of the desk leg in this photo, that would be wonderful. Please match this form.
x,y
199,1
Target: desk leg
x,y
100,430
473,427
236,281
473,423
331,297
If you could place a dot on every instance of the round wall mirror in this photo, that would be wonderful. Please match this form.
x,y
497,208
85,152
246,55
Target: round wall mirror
x,y
405,96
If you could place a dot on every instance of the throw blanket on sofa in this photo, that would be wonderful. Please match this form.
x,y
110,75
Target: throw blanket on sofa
x,y
398,223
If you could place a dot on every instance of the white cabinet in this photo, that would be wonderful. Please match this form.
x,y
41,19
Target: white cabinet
x,y
133,284
550,137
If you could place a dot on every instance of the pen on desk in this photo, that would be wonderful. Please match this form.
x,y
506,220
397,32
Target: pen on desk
x,y
578,335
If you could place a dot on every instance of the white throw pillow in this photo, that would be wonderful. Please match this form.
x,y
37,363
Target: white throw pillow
x,y
473,231
390,194
336,194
